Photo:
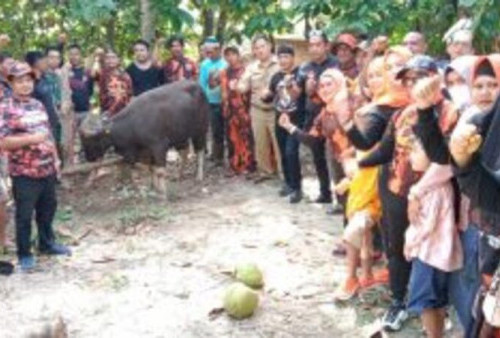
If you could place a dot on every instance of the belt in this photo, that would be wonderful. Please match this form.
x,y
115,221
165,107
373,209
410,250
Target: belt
x,y
263,108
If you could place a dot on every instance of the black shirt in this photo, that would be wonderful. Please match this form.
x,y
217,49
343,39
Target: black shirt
x,y
82,88
296,114
42,93
144,80
313,69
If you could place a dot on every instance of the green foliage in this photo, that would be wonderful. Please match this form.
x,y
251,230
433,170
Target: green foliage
x,y
35,23
396,17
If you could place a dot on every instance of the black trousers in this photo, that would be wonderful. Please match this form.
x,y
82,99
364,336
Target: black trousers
x,y
38,196
218,131
290,158
394,224
321,166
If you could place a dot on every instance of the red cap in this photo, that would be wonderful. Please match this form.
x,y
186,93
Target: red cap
x,y
20,69
345,39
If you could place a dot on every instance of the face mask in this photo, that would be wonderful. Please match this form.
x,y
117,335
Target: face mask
x,y
460,95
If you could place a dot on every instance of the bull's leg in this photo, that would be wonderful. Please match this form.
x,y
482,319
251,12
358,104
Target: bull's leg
x,y
159,153
200,159
160,175
125,173
152,177
183,153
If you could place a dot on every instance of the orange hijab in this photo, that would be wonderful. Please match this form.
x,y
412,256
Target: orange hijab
x,y
394,94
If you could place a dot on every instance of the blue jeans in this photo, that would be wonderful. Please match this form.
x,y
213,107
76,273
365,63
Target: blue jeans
x,y
290,162
465,283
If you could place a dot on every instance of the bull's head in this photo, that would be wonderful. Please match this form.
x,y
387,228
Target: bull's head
x,y
95,136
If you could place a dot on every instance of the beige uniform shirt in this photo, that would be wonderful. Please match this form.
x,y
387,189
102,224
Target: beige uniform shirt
x,y
256,79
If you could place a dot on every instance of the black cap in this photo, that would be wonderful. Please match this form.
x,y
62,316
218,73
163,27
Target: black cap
x,y
418,62
285,49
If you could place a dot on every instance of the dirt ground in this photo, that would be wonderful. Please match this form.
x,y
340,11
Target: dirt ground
x,y
143,267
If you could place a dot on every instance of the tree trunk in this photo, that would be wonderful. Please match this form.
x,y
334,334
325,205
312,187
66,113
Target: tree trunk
x,y
110,31
208,23
307,26
147,20
221,25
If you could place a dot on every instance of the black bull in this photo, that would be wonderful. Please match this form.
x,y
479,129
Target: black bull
x,y
166,117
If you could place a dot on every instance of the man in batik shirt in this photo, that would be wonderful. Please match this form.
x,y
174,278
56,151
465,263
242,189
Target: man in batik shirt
x,y
179,67
26,136
115,85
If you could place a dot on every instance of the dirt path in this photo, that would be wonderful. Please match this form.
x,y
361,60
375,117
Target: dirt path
x,y
153,269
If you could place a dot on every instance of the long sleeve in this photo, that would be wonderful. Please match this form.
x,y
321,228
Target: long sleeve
x,y
432,216
313,136
436,174
434,142
374,127
383,152
243,85
480,186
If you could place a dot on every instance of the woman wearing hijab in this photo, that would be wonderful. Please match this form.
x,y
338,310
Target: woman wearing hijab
x,y
457,81
391,98
475,152
235,109
479,75
363,206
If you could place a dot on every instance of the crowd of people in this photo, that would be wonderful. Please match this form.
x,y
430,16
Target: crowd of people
x,y
404,147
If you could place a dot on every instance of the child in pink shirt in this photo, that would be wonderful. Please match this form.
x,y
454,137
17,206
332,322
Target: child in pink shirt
x,y
432,243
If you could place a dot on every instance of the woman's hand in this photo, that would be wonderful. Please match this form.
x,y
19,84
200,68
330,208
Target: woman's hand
x,y
284,122
427,92
342,187
465,141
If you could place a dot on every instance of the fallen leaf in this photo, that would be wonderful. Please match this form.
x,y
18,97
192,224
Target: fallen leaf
x,y
215,313
103,260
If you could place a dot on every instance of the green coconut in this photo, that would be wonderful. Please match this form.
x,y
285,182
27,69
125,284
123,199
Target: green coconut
x,y
250,275
240,301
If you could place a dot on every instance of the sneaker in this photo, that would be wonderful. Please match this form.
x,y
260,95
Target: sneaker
x,y
336,209
6,268
394,318
27,263
285,191
323,199
56,250
296,197
347,289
